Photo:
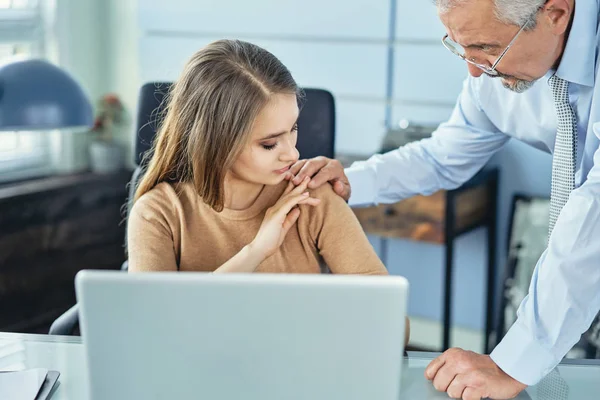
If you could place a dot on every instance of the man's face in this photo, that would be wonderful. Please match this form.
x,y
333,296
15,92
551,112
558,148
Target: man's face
x,y
473,26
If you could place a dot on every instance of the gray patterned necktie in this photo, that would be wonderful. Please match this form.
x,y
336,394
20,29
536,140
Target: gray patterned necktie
x,y
565,149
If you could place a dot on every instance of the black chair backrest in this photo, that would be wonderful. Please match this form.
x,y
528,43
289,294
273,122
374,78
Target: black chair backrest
x,y
150,106
316,124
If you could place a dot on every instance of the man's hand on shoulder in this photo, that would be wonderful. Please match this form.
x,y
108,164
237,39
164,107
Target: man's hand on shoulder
x,y
321,170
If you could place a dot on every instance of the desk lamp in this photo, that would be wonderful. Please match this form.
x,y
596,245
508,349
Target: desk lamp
x,y
37,95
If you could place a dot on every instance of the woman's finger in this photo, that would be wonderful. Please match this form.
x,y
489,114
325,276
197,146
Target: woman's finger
x,y
285,205
297,167
290,220
309,168
288,188
301,187
311,201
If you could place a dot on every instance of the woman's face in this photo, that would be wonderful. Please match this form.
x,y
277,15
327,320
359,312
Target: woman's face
x,y
271,150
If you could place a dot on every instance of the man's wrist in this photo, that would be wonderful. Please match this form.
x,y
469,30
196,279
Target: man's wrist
x,y
522,357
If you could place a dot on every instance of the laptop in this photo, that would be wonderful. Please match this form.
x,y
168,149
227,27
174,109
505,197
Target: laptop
x,y
184,335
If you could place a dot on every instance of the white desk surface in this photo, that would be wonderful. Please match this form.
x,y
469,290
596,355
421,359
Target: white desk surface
x,y
573,379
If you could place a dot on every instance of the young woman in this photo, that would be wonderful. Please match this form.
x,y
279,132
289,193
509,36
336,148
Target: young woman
x,y
215,197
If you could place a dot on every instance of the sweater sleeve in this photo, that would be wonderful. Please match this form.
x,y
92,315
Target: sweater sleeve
x,y
150,233
339,237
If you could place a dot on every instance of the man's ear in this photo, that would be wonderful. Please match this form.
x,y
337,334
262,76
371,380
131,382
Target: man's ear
x,y
557,15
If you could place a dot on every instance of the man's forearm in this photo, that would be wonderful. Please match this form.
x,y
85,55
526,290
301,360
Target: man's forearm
x,y
422,167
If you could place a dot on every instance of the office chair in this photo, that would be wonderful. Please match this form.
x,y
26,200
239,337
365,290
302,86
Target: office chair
x,y
316,137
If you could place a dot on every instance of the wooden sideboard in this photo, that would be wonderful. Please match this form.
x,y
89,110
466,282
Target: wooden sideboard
x,y
424,218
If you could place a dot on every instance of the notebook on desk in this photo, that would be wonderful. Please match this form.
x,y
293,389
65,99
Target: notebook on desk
x,y
30,384
250,336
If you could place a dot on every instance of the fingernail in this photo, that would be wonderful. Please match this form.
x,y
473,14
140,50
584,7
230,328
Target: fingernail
x,y
305,194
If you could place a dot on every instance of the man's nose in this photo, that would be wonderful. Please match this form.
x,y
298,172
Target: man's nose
x,y
474,71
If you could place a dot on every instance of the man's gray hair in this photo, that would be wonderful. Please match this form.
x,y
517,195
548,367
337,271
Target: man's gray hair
x,y
515,12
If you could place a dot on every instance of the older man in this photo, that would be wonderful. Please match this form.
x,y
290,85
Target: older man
x,y
533,68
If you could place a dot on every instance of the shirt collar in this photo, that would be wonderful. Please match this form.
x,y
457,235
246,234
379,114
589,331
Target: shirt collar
x,y
579,57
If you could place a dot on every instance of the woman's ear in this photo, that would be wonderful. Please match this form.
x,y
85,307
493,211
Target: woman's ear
x,y
557,14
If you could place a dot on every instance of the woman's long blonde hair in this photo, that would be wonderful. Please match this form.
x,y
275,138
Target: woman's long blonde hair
x,y
209,115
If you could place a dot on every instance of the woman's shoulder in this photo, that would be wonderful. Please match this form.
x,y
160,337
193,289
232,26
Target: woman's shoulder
x,y
164,199
158,195
325,192
331,205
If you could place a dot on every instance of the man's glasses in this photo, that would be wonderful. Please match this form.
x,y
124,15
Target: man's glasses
x,y
460,51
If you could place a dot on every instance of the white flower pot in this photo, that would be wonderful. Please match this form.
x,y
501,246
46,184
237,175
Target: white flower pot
x,y
105,157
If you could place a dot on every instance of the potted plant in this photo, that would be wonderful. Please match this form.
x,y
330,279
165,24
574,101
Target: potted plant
x,y
106,155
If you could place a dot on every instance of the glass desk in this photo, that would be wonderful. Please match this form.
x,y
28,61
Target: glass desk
x,y
573,379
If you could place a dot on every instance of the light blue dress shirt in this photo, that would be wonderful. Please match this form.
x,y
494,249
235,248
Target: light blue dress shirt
x,y
564,295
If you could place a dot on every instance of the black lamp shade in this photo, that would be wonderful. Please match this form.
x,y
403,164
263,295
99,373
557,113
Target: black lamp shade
x,y
37,95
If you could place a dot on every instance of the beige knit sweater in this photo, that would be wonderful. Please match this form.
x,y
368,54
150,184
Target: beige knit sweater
x,y
171,228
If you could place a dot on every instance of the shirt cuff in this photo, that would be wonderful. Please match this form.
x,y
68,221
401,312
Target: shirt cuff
x,y
363,185
522,357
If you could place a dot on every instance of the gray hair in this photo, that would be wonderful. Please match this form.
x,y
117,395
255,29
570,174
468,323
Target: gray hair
x,y
514,12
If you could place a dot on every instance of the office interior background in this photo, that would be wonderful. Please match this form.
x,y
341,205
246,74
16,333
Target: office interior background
x,y
382,60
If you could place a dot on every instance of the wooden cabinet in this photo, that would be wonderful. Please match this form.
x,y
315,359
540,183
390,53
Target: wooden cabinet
x,y
50,229
423,218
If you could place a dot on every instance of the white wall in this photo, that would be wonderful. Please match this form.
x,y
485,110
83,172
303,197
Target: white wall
x,y
75,40
96,41
79,32
426,77
117,45
123,72
334,44
345,47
